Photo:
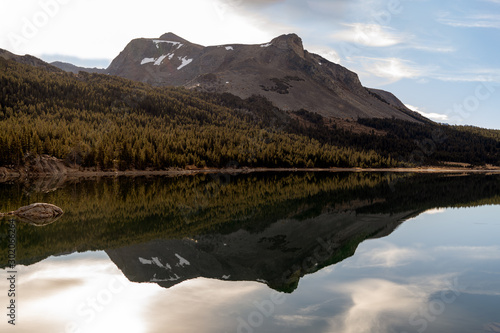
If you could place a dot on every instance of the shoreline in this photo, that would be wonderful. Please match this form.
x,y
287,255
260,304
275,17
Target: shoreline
x,y
13,175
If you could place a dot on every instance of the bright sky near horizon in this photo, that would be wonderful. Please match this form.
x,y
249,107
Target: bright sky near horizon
x,y
441,58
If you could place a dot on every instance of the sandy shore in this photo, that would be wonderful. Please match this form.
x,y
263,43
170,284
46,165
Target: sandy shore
x,y
9,175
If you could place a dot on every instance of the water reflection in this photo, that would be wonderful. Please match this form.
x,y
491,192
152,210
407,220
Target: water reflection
x,y
277,256
268,253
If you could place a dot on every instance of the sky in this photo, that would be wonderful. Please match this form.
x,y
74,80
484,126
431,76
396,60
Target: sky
x,y
441,58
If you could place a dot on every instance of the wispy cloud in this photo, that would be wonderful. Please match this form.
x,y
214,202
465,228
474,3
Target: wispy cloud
x,y
368,34
393,69
475,21
386,256
469,75
326,52
432,48
472,252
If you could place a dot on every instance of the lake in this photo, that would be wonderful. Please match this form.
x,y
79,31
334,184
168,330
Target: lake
x,y
259,252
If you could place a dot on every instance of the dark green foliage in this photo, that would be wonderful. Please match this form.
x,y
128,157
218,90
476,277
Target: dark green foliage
x,y
309,116
434,143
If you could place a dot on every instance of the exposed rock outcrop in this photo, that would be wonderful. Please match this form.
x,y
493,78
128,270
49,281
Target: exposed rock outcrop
x,y
38,214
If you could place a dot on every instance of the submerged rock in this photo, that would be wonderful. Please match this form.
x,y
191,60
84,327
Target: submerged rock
x,y
38,214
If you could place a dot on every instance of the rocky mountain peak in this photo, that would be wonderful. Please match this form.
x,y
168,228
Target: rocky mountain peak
x,y
173,37
289,42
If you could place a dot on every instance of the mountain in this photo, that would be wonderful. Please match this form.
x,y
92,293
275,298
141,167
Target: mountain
x,y
28,60
277,256
280,70
67,67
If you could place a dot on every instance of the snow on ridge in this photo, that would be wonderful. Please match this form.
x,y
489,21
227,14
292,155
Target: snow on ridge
x,y
229,48
185,62
156,41
266,45
155,279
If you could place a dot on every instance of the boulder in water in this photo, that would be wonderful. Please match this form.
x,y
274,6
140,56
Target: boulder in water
x,y
38,214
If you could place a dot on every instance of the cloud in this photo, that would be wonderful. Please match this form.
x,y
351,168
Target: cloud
x,y
393,69
216,304
432,48
368,34
475,21
435,117
432,211
379,305
67,284
471,252
469,75
295,321
376,304
387,256
325,52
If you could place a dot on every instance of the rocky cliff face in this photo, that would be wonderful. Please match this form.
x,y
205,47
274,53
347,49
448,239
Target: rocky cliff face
x,y
281,70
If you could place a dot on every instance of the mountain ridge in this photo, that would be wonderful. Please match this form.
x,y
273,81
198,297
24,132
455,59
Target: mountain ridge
x,y
281,70
68,67
29,60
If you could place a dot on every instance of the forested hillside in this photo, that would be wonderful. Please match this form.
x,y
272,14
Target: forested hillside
x,y
107,123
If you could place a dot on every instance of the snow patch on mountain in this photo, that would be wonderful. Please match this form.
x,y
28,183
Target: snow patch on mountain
x,y
154,261
147,60
160,59
185,62
182,262
156,61
157,41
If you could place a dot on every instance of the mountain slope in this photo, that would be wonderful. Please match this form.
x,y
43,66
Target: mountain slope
x,y
28,60
281,70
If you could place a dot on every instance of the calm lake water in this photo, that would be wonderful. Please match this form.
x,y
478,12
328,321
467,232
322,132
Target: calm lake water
x,y
301,252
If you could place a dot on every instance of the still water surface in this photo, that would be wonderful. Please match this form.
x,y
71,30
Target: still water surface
x,y
259,253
